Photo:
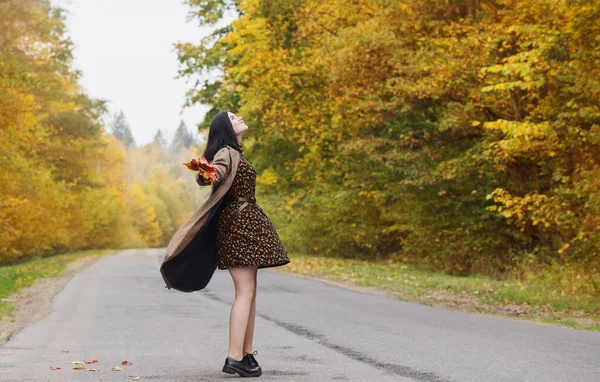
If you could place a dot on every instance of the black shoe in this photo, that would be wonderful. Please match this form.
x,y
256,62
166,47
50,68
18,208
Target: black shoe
x,y
242,367
251,360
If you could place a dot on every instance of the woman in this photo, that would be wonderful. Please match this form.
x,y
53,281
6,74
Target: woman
x,y
246,239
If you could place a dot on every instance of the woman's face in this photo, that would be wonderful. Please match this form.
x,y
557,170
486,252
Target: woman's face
x,y
239,127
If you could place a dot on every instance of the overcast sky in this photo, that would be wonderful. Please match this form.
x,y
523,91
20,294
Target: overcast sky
x,y
124,49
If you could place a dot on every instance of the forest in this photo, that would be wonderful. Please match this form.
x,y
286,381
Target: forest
x,y
68,183
461,135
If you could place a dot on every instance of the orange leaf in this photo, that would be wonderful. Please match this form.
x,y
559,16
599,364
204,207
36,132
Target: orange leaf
x,y
208,176
201,163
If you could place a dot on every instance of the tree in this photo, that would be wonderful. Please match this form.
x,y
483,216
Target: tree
x,y
58,166
159,140
182,139
121,130
460,132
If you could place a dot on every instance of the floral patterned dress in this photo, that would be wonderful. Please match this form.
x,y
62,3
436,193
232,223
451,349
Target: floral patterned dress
x,y
249,237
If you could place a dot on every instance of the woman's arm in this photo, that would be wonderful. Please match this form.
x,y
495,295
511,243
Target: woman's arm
x,y
221,163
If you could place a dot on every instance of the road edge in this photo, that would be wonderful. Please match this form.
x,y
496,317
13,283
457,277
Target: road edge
x,y
35,301
433,304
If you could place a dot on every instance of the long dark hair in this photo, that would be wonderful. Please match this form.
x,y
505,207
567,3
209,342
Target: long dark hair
x,y
220,134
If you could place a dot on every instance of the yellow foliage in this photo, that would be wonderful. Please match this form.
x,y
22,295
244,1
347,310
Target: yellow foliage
x,y
266,178
142,217
408,113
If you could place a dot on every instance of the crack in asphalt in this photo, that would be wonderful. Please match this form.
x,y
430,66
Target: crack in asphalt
x,y
404,371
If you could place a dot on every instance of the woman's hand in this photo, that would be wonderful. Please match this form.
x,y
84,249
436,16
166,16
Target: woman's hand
x,y
201,181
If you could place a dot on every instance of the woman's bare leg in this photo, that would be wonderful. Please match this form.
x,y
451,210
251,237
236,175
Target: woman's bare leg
x,y
244,280
250,328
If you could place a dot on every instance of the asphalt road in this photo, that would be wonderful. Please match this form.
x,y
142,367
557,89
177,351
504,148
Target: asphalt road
x,y
118,309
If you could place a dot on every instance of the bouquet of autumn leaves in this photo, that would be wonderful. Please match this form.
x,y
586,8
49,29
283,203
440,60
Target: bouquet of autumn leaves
x,y
204,168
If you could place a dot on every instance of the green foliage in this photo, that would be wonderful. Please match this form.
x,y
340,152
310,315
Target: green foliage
x,y
183,139
211,11
461,133
122,131
16,277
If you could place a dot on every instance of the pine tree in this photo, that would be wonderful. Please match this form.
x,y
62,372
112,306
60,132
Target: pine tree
x,y
183,138
189,136
160,140
121,130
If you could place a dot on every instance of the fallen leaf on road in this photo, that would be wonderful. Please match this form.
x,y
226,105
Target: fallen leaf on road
x,y
79,367
64,351
126,363
133,378
55,368
90,361
77,362
116,368
93,369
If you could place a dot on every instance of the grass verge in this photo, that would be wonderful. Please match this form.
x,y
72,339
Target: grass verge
x,y
475,294
13,278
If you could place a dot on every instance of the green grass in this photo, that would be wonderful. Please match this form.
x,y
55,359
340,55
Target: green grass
x,y
15,277
510,298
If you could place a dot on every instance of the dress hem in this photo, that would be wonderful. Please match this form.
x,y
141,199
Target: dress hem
x,y
260,266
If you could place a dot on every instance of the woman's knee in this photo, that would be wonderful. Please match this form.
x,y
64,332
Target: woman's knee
x,y
243,278
245,291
